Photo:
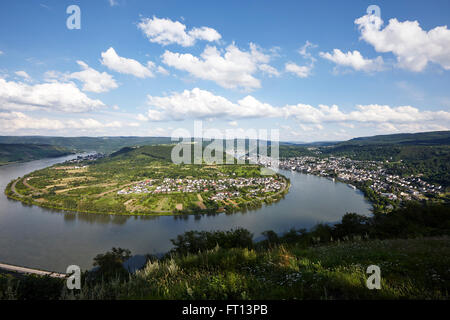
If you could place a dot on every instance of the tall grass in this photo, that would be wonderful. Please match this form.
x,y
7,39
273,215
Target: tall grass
x,y
410,269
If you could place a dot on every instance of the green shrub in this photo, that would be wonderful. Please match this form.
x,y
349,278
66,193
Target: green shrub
x,y
195,241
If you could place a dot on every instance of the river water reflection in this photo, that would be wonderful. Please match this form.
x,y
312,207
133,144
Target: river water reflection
x,y
48,239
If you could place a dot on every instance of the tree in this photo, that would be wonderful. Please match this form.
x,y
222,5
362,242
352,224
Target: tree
x,y
111,264
351,224
271,236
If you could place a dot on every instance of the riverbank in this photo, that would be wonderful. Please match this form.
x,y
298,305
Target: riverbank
x,y
336,271
410,248
23,152
144,181
6,163
53,239
351,184
11,192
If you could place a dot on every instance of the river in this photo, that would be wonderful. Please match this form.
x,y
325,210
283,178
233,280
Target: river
x,y
51,240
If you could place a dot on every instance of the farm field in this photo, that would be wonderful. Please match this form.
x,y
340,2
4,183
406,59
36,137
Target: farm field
x,y
143,180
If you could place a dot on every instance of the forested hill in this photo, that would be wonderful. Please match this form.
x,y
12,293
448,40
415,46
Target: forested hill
x,y
421,138
162,152
433,147
98,144
155,152
426,153
28,152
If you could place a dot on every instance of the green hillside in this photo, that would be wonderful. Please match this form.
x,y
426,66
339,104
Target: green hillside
x,y
144,180
426,153
28,152
154,152
99,144
421,138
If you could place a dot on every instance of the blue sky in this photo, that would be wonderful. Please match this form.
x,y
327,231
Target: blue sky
x,y
313,70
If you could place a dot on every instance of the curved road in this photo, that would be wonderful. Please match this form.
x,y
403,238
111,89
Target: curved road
x,y
24,270
13,188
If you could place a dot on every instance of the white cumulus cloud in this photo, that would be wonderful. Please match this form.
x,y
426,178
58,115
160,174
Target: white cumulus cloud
x,y
354,60
413,46
54,96
162,71
14,121
202,104
300,71
18,121
197,103
303,71
125,65
166,31
23,74
268,69
93,80
233,69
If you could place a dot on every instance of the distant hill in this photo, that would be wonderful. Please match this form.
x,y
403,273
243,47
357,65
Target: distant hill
x,y
28,152
425,153
110,145
99,144
153,152
310,144
421,138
